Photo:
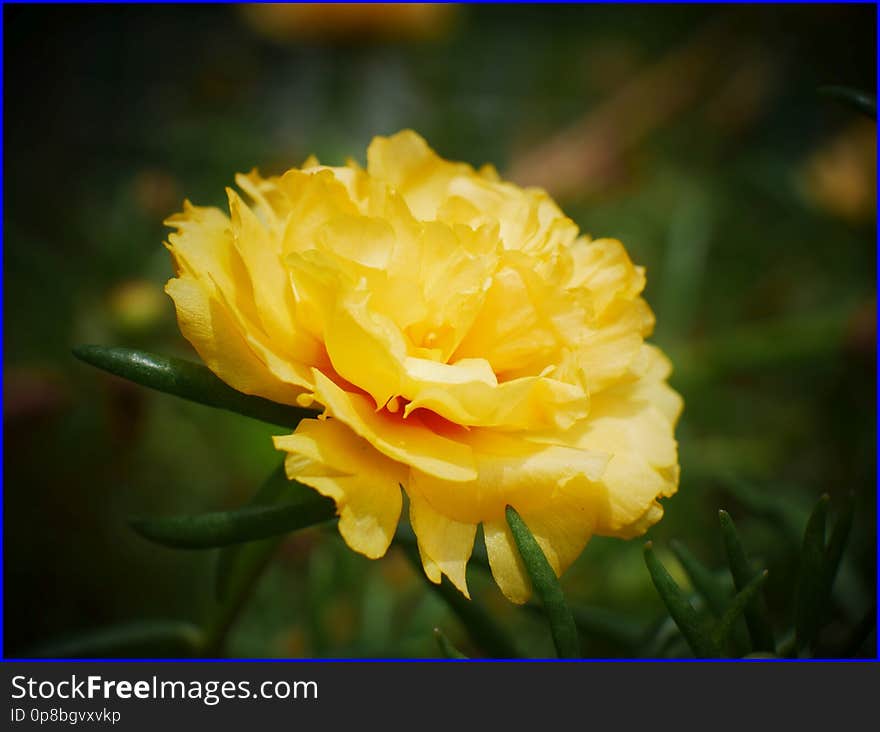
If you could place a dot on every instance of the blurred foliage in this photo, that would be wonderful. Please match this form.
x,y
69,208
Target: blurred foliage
x,y
696,135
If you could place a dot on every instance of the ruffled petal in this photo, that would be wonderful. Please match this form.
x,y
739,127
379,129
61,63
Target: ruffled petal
x,y
444,545
509,331
407,163
605,269
315,197
505,561
530,221
454,269
261,254
635,423
609,351
207,324
511,470
409,442
203,248
329,457
365,348
271,206
563,526
652,387
467,392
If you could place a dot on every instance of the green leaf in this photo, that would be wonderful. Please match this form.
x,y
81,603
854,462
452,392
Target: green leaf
x,y
837,543
716,593
862,101
547,588
785,648
251,523
757,617
188,380
812,586
727,623
695,628
447,650
856,641
150,638
703,579
481,627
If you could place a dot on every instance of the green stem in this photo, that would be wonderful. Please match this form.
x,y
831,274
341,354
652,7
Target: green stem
x,y
239,566
251,562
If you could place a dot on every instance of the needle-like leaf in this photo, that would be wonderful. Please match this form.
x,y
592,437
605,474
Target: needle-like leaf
x,y
726,624
148,638
447,650
757,617
812,588
863,101
251,523
188,380
837,542
695,628
547,588
704,581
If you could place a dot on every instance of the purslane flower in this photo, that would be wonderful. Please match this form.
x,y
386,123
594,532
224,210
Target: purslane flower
x,y
467,347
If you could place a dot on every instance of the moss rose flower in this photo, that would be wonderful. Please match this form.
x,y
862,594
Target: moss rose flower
x,y
466,345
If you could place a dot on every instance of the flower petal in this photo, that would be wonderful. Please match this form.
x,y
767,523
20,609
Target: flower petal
x,y
329,457
609,350
444,545
505,561
203,248
563,526
406,162
409,442
509,331
261,254
511,470
207,324
605,269
365,348
634,423
467,392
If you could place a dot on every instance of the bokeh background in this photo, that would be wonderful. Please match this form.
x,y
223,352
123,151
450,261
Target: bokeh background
x,y
694,134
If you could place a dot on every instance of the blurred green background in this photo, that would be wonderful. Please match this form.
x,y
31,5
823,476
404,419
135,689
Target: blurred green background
x,y
693,134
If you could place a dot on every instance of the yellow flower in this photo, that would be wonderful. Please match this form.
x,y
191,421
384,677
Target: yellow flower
x,y
348,21
465,344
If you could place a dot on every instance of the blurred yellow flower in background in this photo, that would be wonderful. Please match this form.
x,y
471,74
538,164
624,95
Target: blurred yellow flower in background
x,y
348,21
464,343
136,305
841,176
